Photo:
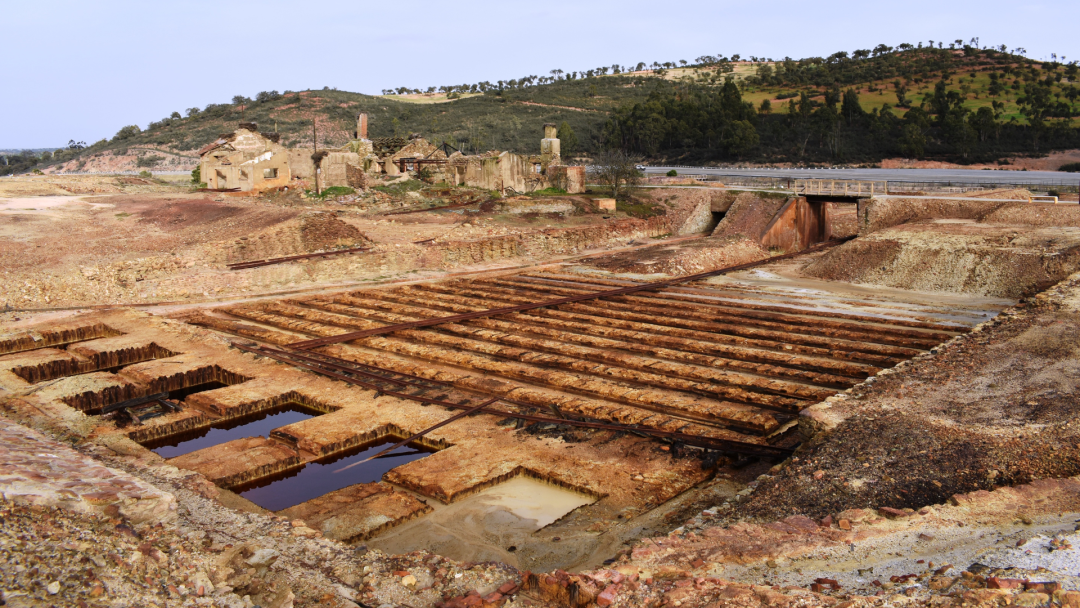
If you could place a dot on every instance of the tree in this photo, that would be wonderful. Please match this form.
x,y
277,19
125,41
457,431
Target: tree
x,y
742,138
850,108
127,132
1035,105
616,171
568,141
901,94
266,96
912,141
175,116
238,100
984,123
765,107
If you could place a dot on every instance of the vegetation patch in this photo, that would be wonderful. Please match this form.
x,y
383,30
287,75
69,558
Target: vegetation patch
x,y
548,192
400,188
642,209
331,192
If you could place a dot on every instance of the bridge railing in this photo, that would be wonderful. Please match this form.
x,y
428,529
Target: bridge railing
x,y
838,187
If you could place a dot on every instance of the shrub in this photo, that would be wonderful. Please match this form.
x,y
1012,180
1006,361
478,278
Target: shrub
x,y
127,132
1070,168
672,173
145,174
149,160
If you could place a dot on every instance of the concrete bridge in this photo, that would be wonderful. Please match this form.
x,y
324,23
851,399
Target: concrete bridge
x,y
846,190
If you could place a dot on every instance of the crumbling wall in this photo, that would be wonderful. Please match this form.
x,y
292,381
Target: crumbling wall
x,y
300,163
333,171
245,159
571,179
355,177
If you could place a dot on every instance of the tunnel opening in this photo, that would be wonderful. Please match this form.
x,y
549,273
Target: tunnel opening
x,y
714,220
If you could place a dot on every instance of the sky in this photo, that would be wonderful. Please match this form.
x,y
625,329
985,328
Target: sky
x,y
82,70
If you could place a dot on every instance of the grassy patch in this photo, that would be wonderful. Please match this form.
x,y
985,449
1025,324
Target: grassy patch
x,y
548,192
641,209
331,192
122,215
412,185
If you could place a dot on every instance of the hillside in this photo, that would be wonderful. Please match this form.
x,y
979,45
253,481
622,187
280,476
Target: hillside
x,y
958,104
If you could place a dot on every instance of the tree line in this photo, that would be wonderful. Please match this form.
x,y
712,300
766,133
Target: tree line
x,y
693,122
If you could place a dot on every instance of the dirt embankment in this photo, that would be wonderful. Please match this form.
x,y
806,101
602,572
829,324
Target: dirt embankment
x,y
701,255
996,407
311,232
977,259
151,159
1000,248
883,213
748,215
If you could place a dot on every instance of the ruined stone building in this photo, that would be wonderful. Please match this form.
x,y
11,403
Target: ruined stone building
x,y
250,161
245,159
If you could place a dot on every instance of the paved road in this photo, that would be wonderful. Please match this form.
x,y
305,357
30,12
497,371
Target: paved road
x,y
944,176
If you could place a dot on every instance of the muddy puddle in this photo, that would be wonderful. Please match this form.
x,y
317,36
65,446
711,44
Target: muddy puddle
x,y
319,477
495,524
255,425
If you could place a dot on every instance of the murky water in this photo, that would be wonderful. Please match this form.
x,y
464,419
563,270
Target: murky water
x,y
495,524
321,476
255,425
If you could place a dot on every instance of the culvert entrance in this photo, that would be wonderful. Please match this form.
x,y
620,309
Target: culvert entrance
x,y
335,472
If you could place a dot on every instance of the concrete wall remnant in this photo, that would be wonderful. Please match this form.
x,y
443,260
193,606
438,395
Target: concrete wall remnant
x,y
246,160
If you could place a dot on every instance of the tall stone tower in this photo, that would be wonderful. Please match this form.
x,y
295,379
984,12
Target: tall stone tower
x,y
549,147
361,126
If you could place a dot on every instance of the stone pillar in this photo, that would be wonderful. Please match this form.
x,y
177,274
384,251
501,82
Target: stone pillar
x,y
361,126
549,147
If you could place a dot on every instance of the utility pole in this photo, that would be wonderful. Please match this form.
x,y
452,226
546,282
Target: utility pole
x,y
315,154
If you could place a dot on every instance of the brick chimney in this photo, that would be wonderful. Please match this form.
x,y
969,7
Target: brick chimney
x,y
361,126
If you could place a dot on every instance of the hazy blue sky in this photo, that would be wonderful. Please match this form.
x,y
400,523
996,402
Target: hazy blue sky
x,y
83,69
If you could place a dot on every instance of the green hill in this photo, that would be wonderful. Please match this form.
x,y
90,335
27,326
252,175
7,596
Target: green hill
x,y
960,104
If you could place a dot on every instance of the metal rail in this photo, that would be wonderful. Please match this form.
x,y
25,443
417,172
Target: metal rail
x,y
355,335
416,436
722,445
290,258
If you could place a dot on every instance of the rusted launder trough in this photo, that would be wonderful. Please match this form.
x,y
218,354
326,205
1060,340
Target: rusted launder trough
x,y
290,258
346,337
721,445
